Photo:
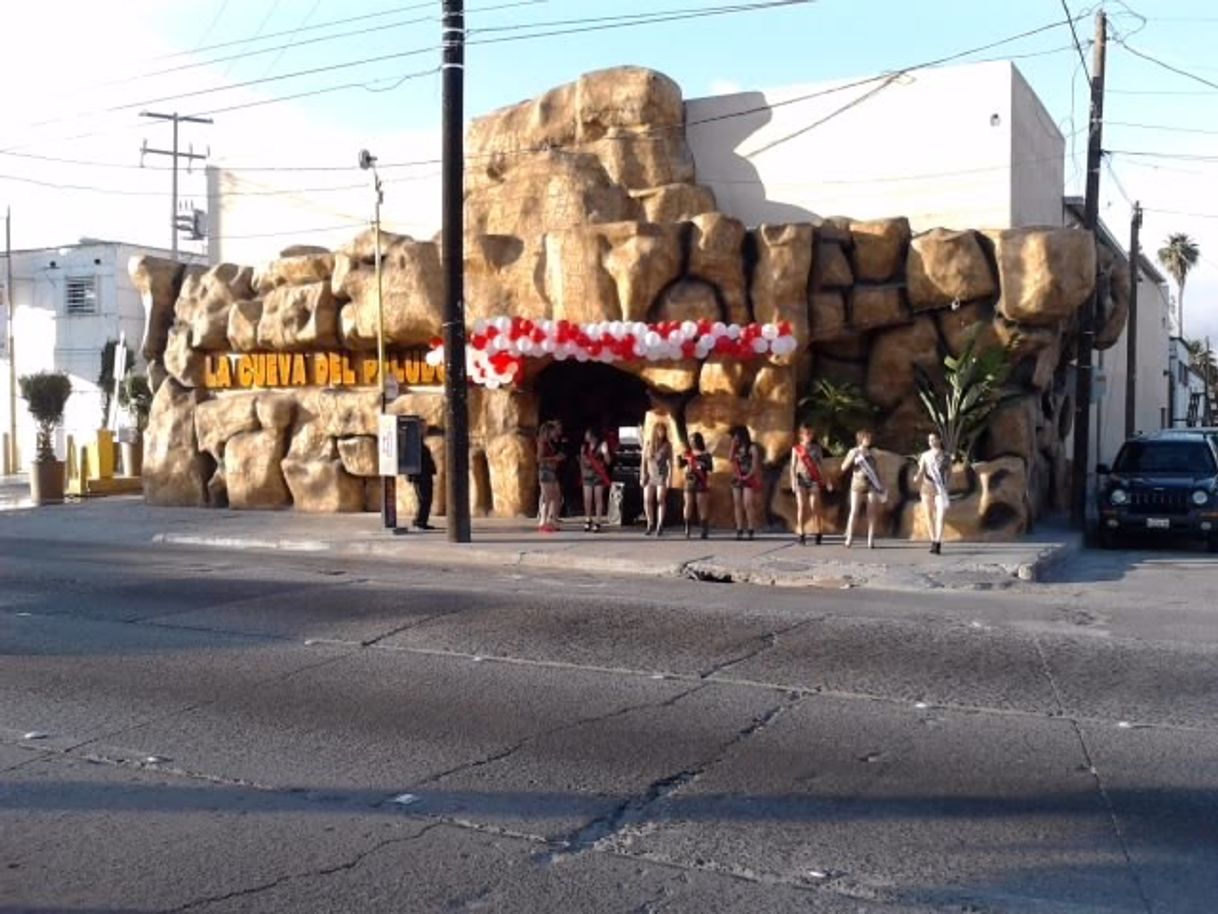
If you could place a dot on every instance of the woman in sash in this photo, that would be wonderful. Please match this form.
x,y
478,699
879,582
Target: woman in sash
x,y
656,477
594,461
807,481
549,458
698,465
746,480
934,471
865,485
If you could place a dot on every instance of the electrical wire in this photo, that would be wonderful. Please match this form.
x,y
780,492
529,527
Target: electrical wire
x,y
1167,66
1165,127
1082,59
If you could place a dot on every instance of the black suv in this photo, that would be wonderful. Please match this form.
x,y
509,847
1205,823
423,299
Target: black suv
x,y
1163,483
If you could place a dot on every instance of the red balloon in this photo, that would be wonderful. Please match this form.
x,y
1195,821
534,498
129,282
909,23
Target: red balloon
x,y
688,348
478,342
723,344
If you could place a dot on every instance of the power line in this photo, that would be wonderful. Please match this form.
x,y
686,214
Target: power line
x,y
1082,59
1182,156
1167,66
293,37
1165,127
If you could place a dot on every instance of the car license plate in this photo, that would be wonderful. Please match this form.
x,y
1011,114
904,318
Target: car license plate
x,y
1158,523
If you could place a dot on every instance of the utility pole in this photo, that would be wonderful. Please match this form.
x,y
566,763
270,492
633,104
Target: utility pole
x,y
1086,330
175,155
1205,380
1131,327
12,458
456,410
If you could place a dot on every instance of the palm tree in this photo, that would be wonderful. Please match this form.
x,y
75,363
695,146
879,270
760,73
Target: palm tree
x,y
1178,256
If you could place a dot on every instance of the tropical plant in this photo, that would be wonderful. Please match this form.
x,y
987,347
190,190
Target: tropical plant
x,y
135,396
836,409
971,391
46,393
105,376
1178,256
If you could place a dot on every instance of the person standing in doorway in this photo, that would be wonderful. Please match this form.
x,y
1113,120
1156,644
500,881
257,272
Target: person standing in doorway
x,y
865,485
424,489
807,482
656,477
934,471
549,459
698,465
594,461
746,480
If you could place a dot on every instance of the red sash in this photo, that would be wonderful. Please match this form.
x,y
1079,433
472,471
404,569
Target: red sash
x,y
809,464
750,479
695,466
598,466
549,455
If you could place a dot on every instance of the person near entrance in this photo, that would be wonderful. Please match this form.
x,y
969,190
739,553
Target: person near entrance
x,y
594,460
697,464
424,489
656,477
746,481
807,482
934,470
549,459
865,485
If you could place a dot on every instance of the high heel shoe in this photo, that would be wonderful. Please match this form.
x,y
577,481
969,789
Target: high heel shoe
x,y
819,537
750,534
803,539
705,531
688,530
739,534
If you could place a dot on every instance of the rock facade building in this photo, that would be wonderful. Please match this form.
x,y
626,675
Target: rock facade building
x,y
582,205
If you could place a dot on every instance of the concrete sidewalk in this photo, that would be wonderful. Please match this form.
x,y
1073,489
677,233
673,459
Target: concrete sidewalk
x,y
774,559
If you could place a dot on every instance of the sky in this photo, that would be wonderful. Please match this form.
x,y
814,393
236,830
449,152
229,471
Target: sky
x,y
79,72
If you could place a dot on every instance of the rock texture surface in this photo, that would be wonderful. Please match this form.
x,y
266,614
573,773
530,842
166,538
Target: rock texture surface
x,y
583,204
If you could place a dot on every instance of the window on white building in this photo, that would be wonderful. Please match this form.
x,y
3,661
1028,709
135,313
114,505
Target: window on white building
x,y
80,295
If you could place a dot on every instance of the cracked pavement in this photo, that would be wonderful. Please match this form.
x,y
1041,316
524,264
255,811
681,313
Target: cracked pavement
x,y
304,733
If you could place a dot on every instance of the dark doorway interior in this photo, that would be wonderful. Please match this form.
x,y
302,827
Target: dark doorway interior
x,y
584,395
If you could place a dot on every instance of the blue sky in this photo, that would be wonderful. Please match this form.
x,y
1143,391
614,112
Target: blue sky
x,y
818,41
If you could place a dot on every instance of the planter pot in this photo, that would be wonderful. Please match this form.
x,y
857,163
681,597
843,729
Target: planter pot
x,y
46,482
133,457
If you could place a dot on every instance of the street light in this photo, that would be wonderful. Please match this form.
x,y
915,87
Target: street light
x,y
367,162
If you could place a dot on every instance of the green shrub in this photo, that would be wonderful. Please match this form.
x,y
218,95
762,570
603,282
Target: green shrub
x,y
46,394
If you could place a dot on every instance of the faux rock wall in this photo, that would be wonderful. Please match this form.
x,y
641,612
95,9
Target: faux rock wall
x,y
583,205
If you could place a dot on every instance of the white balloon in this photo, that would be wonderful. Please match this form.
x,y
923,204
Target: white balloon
x,y
581,355
639,349
615,329
500,343
733,332
560,354
769,331
760,345
503,323
784,345
548,345
718,329
594,331
675,335
492,383
480,326
435,357
689,330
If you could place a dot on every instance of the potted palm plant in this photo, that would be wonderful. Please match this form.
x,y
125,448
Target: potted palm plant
x,y
135,396
46,394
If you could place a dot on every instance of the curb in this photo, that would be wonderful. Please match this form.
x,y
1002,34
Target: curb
x,y
1048,559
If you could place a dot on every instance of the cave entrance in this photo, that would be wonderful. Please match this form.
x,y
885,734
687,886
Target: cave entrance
x,y
583,395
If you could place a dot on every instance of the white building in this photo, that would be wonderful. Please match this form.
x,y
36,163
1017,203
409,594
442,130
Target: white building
x,y
1187,389
959,147
68,302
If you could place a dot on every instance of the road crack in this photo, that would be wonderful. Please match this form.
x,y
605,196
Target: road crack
x,y
768,642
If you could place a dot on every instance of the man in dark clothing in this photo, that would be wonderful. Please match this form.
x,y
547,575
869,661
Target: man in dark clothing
x,y
423,483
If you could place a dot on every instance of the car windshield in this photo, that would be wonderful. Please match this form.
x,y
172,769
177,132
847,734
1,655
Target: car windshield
x,y
1181,458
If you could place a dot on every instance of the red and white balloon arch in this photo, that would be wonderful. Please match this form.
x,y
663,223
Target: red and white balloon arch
x,y
497,348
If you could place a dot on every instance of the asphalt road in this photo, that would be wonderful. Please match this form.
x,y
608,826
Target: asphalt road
x,y
206,732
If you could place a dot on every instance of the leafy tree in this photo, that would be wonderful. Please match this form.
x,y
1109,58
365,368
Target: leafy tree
x,y
135,396
105,377
836,410
1178,256
46,394
961,408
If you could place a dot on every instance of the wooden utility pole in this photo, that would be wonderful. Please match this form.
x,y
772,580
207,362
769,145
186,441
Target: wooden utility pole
x,y
1131,327
1086,329
1205,379
456,410
174,154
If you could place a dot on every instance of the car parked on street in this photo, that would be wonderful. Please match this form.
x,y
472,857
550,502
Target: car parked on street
x,y
1165,483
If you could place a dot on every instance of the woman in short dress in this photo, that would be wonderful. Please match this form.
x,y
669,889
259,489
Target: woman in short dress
x,y
932,476
594,472
865,486
549,459
698,464
656,477
746,481
807,481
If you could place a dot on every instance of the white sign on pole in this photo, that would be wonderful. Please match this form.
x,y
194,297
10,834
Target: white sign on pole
x,y
118,373
387,445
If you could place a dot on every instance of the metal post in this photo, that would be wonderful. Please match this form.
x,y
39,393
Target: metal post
x,y
174,154
1131,327
1086,330
173,205
456,410
12,457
